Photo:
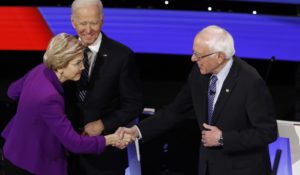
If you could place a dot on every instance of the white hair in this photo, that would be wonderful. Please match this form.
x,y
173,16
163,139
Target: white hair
x,y
84,3
219,40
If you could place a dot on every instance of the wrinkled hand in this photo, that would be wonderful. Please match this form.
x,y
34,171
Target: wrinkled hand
x,y
94,128
122,143
114,140
211,135
133,132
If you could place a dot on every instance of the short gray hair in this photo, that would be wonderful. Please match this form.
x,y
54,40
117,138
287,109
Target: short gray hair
x,y
61,50
84,3
220,40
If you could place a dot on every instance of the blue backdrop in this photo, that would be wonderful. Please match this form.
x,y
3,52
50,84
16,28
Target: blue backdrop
x,y
172,32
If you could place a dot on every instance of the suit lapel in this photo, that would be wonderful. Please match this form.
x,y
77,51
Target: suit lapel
x,y
226,90
204,99
200,87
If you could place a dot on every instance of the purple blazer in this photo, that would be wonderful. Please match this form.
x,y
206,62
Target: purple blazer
x,y
39,134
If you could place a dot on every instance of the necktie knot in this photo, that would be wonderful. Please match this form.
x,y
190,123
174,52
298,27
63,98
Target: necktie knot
x,y
212,84
86,59
213,79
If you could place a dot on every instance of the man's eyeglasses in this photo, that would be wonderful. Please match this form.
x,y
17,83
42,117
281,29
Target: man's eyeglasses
x,y
199,57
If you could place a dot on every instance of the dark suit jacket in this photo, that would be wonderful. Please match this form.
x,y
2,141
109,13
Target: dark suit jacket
x,y
113,95
244,112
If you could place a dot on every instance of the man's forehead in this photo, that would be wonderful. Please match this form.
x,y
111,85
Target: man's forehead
x,y
200,45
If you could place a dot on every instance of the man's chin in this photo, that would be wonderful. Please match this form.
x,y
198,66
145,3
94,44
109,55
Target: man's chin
x,y
203,72
88,41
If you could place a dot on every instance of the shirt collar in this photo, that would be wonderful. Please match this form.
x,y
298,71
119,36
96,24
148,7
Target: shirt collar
x,y
96,45
224,72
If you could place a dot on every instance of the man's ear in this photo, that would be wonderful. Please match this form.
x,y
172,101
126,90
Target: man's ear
x,y
73,22
221,57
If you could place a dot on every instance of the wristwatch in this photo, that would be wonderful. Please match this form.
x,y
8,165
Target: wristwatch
x,y
221,141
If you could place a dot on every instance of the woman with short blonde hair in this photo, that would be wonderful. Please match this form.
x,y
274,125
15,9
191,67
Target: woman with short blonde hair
x,y
39,134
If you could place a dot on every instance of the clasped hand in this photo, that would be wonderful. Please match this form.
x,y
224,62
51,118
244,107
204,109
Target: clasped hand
x,y
125,136
210,135
119,139
116,141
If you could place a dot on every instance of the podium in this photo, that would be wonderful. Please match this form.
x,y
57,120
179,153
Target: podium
x,y
133,150
285,151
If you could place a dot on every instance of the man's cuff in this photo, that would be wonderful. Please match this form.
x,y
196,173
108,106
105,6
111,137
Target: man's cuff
x,y
140,134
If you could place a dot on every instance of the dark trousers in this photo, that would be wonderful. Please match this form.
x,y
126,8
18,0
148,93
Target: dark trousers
x,y
87,169
11,169
207,170
77,166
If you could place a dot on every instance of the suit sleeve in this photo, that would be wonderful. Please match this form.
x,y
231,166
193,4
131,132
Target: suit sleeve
x,y
15,88
53,115
131,101
261,115
167,117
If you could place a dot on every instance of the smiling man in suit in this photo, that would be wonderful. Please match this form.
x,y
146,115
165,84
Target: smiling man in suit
x,y
232,104
108,94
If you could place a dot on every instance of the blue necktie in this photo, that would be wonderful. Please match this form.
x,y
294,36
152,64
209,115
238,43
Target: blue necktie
x,y
84,79
211,95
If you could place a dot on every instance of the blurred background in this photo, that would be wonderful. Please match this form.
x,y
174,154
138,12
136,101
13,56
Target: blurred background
x,y
161,32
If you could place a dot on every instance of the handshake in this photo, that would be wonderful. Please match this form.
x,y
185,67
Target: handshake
x,y
120,139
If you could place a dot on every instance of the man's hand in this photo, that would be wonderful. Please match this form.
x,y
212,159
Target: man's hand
x,y
94,128
133,132
211,135
114,140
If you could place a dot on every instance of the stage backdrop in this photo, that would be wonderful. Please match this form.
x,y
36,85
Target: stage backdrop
x,y
156,31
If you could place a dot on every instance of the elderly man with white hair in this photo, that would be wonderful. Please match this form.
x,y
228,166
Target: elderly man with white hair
x,y
232,105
